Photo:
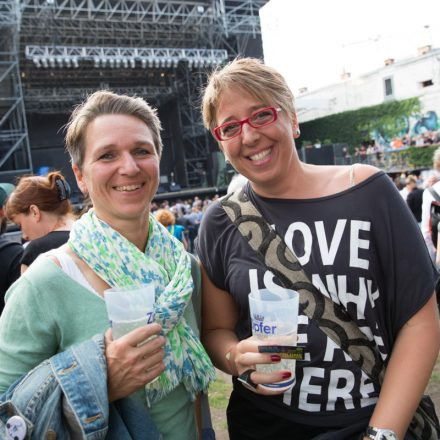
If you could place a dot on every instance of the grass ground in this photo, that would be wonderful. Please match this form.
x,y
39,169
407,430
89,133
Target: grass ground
x,y
433,388
220,390
219,393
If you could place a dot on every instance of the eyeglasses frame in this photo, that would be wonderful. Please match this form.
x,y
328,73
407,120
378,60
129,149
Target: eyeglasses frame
x,y
275,111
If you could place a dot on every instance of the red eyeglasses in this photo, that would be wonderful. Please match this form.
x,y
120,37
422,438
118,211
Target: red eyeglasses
x,y
260,118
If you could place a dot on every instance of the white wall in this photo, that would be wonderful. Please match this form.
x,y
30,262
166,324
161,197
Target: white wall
x,y
368,90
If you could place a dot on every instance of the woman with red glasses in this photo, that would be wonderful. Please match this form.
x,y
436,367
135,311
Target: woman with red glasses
x,y
345,225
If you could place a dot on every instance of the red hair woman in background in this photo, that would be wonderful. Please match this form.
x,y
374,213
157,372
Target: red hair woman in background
x,y
41,207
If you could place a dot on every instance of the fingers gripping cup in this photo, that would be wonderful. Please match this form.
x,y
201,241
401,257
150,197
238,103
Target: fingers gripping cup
x,y
274,320
129,308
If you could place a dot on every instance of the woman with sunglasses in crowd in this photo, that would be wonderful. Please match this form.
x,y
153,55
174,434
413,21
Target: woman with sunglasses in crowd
x,y
345,225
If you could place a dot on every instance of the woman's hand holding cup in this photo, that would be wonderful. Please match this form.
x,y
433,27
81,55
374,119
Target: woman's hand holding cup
x,y
246,356
133,360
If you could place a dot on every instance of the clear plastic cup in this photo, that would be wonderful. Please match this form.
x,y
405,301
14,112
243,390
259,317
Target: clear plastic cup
x,y
129,308
274,320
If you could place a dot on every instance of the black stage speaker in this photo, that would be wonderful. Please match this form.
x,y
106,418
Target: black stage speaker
x,y
320,156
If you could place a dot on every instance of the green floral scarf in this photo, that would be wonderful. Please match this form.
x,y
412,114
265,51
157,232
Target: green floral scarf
x,y
166,264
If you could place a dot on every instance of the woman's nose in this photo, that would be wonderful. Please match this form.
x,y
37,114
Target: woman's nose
x,y
129,164
249,134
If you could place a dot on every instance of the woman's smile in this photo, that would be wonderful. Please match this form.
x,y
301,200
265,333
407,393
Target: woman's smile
x,y
262,157
128,188
121,167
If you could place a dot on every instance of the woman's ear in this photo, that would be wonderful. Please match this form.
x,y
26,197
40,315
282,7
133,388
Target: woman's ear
x,y
79,179
35,212
295,127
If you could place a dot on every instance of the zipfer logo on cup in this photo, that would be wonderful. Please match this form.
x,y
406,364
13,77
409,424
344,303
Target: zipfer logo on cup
x,y
259,327
150,317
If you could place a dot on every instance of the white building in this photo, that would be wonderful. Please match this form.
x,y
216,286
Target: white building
x,y
417,76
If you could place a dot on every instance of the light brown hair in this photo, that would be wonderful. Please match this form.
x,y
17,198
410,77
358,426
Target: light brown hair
x,y
410,179
250,74
165,217
102,103
41,191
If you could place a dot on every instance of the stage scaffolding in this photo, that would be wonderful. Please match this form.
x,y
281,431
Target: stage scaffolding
x,y
15,157
160,50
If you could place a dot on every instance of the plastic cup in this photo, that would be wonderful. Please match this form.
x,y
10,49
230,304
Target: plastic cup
x,y
129,308
274,320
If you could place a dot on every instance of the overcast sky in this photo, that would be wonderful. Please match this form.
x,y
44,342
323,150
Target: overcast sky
x,y
313,41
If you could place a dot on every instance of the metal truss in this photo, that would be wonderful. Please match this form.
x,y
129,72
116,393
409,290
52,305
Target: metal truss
x,y
241,16
153,12
70,48
62,100
126,57
9,14
127,22
15,155
196,160
194,135
235,15
103,33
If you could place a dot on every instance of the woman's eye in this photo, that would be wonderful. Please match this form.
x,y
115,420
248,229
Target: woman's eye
x,y
263,115
142,152
230,129
106,156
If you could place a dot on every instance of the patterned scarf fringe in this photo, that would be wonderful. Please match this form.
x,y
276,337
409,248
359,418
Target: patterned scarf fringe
x,y
120,263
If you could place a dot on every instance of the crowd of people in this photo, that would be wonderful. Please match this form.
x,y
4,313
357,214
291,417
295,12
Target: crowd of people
x,y
331,232
185,214
374,149
422,195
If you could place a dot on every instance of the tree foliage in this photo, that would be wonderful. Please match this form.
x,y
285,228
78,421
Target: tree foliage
x,y
420,157
356,126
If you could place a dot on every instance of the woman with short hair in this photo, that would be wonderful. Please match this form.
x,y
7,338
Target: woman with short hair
x,y
115,146
345,225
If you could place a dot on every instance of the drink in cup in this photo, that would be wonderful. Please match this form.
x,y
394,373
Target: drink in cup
x,y
274,320
129,308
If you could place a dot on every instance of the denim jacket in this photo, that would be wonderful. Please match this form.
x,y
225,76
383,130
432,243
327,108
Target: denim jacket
x,y
65,397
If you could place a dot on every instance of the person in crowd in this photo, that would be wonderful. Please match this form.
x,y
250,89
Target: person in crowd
x,y
115,147
410,184
168,219
414,201
345,224
191,220
40,206
432,176
429,204
10,251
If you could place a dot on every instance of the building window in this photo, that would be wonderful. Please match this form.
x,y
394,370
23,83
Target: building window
x,y
427,83
388,87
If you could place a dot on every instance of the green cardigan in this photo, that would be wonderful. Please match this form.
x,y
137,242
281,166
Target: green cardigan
x,y
46,312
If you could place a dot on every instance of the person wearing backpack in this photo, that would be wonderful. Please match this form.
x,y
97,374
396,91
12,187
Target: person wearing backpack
x,y
10,251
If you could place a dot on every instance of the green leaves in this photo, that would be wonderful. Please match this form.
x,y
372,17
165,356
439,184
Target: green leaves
x,y
352,127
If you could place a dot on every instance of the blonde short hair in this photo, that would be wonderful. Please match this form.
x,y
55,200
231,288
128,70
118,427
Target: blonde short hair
x,y
410,179
260,81
102,103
